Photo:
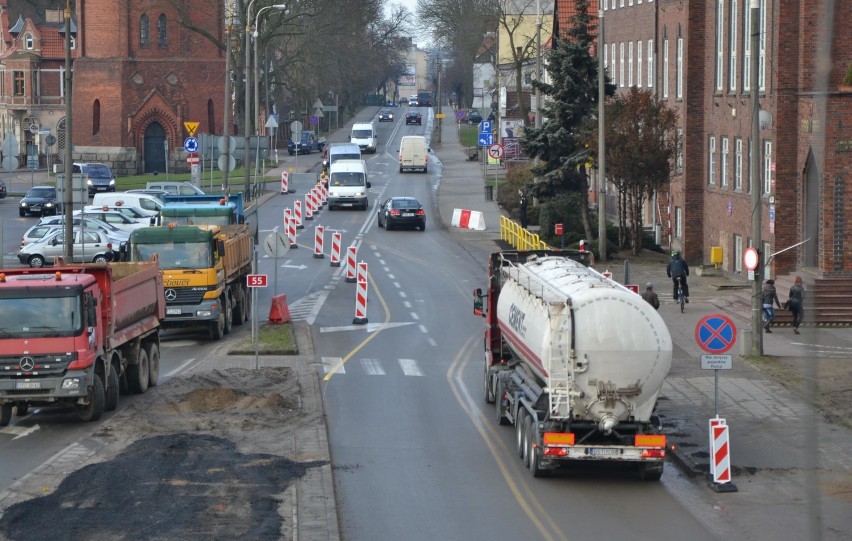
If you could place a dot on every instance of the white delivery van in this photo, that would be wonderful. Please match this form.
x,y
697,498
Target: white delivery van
x,y
413,153
348,184
364,135
148,204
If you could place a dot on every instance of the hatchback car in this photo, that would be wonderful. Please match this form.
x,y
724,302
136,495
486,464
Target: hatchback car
x,y
40,200
402,212
413,118
89,246
385,115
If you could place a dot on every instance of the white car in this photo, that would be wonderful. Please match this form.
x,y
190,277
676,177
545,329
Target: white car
x,y
114,218
115,234
90,246
133,213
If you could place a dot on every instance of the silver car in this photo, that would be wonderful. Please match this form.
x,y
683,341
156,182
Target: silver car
x,y
114,218
116,235
90,246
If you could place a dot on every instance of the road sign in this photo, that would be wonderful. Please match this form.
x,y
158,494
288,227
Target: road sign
x,y
313,120
191,128
495,151
192,159
750,258
33,129
190,144
296,126
485,127
257,280
486,139
717,362
716,333
459,115
275,244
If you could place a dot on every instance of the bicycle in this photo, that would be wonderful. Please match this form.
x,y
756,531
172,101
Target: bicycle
x,y
681,299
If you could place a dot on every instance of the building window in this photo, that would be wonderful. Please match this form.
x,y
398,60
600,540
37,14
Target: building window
x,y
630,63
720,43
650,63
144,31
767,167
723,167
747,49
711,158
761,70
679,152
639,64
680,67
732,55
738,164
614,67
18,77
751,173
161,31
606,56
666,68
29,42
738,253
621,62
678,229
96,117
621,3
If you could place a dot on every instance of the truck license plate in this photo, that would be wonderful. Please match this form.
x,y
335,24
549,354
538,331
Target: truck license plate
x,y
172,311
27,385
604,452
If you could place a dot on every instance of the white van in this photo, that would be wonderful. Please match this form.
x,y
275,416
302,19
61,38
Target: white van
x,y
364,135
413,153
148,204
348,184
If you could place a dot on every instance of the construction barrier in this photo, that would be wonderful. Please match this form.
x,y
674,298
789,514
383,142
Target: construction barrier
x,y
336,237
319,233
309,207
279,312
351,257
297,213
518,237
720,456
361,295
290,226
285,181
468,219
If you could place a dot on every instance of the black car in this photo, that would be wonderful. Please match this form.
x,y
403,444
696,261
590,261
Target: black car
x,y
2,190
402,212
39,200
473,117
98,176
413,117
385,115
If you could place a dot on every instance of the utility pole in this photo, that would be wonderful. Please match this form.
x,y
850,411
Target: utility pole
x,y
538,65
438,98
226,116
246,120
754,162
601,141
68,200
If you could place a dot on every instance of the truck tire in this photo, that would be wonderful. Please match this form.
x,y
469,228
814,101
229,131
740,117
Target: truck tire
x,y
240,314
534,454
498,402
6,413
153,363
217,328
527,445
137,374
111,393
228,311
95,408
489,390
651,471
519,432
21,408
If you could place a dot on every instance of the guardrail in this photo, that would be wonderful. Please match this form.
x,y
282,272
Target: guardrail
x,y
518,237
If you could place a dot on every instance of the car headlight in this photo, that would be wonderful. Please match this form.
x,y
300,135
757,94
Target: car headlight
x,y
88,182
48,204
23,204
112,182
71,383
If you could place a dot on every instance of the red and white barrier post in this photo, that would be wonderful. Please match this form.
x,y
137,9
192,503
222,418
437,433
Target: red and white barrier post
x,y
720,456
309,207
319,233
351,257
288,214
290,229
297,213
315,199
361,295
336,237
285,181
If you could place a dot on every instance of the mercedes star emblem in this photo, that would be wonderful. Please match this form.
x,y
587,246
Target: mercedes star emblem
x,y
171,294
27,364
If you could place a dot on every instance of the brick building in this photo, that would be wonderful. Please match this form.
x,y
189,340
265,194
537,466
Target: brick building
x,y
699,64
139,74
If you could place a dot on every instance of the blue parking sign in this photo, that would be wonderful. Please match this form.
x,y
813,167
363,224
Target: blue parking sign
x,y
485,126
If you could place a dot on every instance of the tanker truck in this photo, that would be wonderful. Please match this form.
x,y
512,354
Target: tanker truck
x,y
573,360
76,334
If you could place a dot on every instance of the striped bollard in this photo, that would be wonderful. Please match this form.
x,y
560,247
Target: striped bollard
x,y
720,456
309,207
324,192
335,248
351,256
288,214
319,232
290,229
315,199
285,181
361,295
297,213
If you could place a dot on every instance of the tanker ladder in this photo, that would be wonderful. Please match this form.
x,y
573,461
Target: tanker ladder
x,y
559,393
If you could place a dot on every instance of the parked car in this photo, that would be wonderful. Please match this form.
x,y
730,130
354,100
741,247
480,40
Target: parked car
x,y
402,212
385,115
159,194
115,234
114,218
174,187
37,233
307,144
473,117
2,190
90,246
39,200
413,117
134,213
403,101
98,176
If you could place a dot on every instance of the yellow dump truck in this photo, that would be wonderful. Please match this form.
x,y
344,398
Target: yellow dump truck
x,y
204,273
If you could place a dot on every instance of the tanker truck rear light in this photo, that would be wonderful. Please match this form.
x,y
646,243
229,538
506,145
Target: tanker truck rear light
x,y
558,438
650,440
555,451
653,453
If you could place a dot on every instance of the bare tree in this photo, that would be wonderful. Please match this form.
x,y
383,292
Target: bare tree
x,y
519,19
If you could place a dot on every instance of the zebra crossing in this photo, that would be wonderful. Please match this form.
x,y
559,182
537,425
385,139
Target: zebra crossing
x,y
372,367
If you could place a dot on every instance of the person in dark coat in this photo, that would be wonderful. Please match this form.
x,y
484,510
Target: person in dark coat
x,y
651,296
769,298
522,208
797,303
677,267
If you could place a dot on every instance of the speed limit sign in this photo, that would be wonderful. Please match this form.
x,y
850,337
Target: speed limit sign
x,y
495,151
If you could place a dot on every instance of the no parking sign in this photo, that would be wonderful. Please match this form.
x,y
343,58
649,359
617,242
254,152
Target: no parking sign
x,y
716,333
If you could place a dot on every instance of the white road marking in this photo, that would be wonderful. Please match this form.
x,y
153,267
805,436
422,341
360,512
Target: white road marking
x,y
414,316
373,367
369,327
409,367
180,368
423,329
19,431
333,364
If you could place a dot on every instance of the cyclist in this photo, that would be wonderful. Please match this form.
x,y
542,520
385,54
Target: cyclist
x,y
677,268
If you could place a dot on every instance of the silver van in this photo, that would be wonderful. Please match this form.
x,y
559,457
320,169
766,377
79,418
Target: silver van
x,y
178,188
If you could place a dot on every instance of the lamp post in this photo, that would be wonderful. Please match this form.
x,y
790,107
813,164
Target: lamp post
x,y
247,100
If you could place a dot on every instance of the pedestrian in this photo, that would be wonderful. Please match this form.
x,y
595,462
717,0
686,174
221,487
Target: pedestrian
x,y
797,303
677,268
522,208
769,298
651,296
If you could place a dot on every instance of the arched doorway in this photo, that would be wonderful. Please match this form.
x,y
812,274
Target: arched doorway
x,y
811,206
155,150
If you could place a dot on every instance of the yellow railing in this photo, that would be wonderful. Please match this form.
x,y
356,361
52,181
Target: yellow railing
x,y
518,237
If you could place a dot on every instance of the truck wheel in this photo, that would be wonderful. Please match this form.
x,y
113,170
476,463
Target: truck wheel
x,y
527,445
153,364
21,408
501,390
229,313
519,432
534,455
217,328
111,393
651,471
95,408
489,391
5,413
137,374
240,315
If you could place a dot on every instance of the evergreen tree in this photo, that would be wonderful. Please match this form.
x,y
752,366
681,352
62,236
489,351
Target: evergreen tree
x,y
560,143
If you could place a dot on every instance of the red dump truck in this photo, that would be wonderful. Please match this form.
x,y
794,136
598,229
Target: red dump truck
x,y
77,334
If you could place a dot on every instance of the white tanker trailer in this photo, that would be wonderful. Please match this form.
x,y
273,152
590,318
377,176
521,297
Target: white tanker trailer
x,y
574,361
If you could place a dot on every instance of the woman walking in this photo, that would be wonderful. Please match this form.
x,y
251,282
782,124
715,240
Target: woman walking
x,y
797,303
768,297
